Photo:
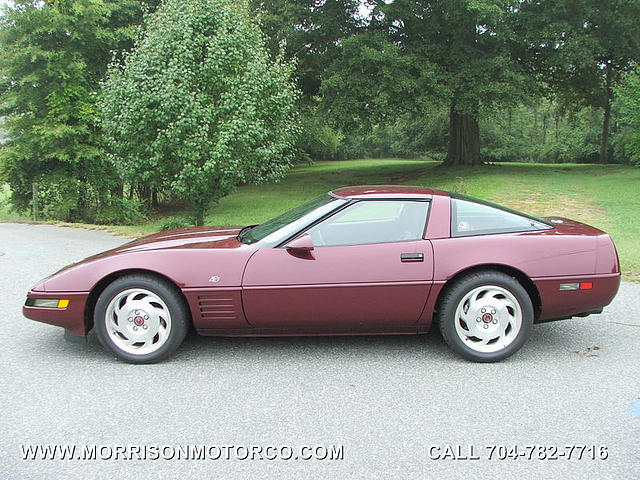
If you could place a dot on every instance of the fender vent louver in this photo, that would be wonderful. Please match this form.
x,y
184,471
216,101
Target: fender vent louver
x,y
217,306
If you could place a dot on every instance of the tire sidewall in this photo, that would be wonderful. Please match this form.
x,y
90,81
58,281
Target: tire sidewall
x,y
455,295
174,302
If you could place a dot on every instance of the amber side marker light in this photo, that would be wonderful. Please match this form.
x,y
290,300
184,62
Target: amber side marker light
x,y
47,302
576,286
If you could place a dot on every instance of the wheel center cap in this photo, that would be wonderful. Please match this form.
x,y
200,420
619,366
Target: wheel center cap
x,y
139,321
487,318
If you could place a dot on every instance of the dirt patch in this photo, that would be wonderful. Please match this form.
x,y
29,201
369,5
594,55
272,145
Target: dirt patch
x,y
543,204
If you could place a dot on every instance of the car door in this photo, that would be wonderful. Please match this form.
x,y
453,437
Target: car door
x,y
370,270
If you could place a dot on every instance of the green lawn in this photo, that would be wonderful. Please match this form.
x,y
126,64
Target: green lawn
x,y
603,196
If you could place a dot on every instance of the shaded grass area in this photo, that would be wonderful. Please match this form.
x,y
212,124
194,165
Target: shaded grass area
x,y
6,214
603,196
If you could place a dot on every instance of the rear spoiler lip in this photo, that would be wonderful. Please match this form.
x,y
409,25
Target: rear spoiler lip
x,y
569,226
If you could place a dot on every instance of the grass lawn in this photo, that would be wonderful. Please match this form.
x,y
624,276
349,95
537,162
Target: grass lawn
x,y
603,196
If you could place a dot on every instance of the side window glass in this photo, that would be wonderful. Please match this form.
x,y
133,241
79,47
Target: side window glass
x,y
373,221
470,218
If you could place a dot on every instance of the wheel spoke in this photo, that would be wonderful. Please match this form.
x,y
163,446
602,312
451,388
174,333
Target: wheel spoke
x,y
119,312
494,294
473,303
129,299
503,303
467,333
120,329
467,317
130,341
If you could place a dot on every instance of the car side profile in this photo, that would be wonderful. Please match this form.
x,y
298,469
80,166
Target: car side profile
x,y
357,260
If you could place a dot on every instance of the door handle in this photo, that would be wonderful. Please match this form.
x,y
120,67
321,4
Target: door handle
x,y
412,257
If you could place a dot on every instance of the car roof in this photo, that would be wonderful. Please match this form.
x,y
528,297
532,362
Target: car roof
x,y
386,191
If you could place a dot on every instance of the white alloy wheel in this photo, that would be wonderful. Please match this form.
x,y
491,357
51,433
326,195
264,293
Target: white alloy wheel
x,y
138,321
488,318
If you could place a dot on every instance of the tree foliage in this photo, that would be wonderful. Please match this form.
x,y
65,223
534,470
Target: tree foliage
x,y
629,96
373,80
52,58
309,31
580,48
197,106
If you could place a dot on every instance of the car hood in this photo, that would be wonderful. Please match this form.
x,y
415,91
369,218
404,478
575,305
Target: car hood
x,y
195,237
214,238
182,238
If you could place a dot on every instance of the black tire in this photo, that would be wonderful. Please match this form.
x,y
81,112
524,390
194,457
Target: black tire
x,y
454,295
177,321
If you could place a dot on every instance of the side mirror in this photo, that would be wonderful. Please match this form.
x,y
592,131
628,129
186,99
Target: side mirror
x,y
301,245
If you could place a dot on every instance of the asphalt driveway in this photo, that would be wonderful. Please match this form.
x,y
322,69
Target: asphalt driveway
x,y
392,403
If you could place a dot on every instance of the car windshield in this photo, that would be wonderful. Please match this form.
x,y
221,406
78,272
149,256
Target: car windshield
x,y
291,221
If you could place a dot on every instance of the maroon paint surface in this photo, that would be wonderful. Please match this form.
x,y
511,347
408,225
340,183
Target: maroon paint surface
x,y
238,289
345,288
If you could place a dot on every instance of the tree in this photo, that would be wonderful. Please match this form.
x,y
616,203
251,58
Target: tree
x,y
581,48
628,92
458,52
474,47
197,107
52,58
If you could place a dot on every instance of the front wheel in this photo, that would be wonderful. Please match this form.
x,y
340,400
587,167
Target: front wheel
x,y
141,318
486,316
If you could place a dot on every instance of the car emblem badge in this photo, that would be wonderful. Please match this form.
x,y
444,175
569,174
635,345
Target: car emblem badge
x,y
487,317
214,279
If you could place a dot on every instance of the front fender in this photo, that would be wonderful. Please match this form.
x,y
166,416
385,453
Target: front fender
x,y
189,268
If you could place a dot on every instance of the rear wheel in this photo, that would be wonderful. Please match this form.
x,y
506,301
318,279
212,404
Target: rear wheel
x,y
486,316
141,318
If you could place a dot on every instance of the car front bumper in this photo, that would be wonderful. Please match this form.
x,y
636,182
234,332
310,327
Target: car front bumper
x,y
72,317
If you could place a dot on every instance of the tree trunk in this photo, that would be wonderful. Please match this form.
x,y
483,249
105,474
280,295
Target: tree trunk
x,y
604,141
464,140
144,192
199,210
118,191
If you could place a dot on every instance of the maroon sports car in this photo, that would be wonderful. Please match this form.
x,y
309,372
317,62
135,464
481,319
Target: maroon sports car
x,y
358,260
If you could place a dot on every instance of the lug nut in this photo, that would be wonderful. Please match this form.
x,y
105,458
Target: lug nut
x,y
493,312
135,329
137,312
130,319
495,320
145,326
483,310
146,317
477,319
486,325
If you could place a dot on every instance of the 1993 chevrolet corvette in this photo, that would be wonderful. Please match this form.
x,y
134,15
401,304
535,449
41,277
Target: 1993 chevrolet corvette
x,y
358,260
